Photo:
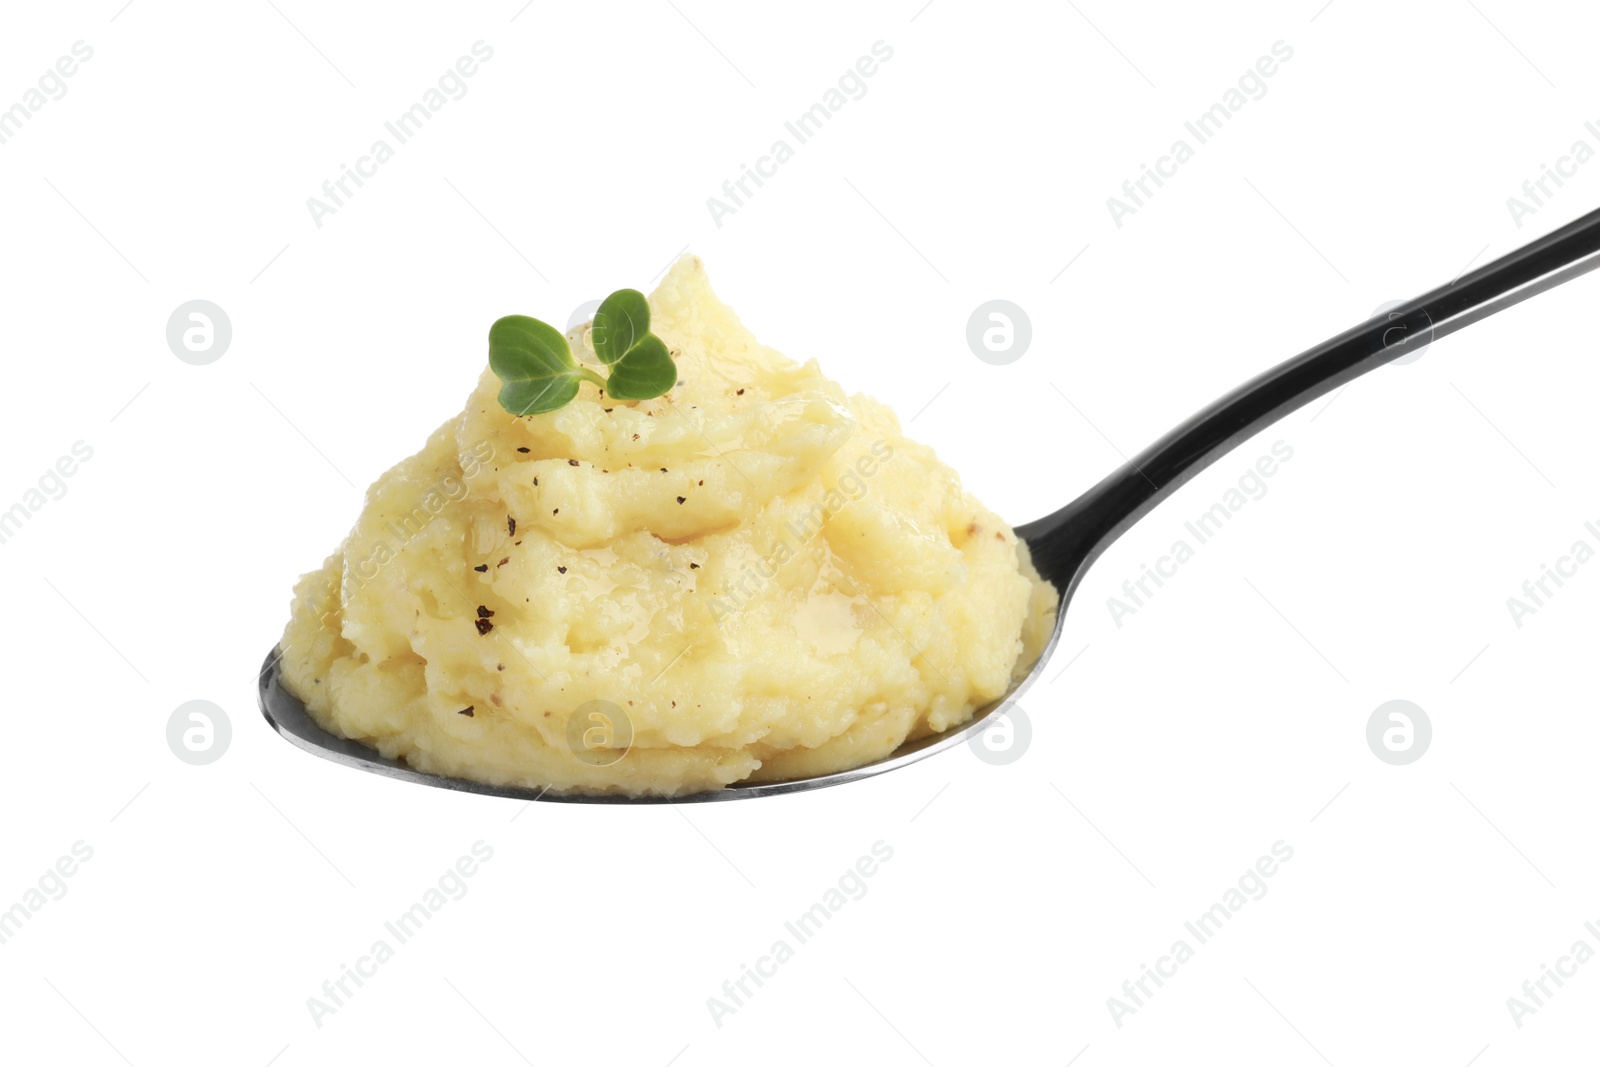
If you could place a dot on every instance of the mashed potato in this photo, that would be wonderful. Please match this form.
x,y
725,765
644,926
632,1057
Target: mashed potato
x,y
754,577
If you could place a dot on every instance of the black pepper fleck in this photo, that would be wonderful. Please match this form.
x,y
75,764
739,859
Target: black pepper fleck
x,y
483,612
467,711
694,566
563,570
511,526
681,499
572,463
482,568
483,625
525,451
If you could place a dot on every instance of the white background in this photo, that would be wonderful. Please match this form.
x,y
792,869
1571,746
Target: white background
x,y
1227,714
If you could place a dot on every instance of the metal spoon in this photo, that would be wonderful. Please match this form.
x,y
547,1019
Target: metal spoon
x,y
1065,544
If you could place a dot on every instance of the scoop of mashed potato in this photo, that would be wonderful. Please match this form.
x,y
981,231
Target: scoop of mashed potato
x,y
755,577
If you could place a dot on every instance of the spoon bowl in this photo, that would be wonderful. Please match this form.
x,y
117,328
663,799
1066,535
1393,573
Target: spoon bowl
x,y
1065,544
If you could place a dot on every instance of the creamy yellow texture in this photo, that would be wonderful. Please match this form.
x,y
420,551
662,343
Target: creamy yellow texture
x,y
753,577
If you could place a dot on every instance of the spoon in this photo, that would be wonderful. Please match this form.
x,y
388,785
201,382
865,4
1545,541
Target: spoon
x,y
1066,543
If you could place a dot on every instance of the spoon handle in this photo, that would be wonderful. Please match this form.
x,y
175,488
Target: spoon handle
x,y
1065,543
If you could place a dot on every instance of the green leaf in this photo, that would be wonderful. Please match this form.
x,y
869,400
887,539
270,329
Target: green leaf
x,y
622,322
645,372
538,374
535,367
